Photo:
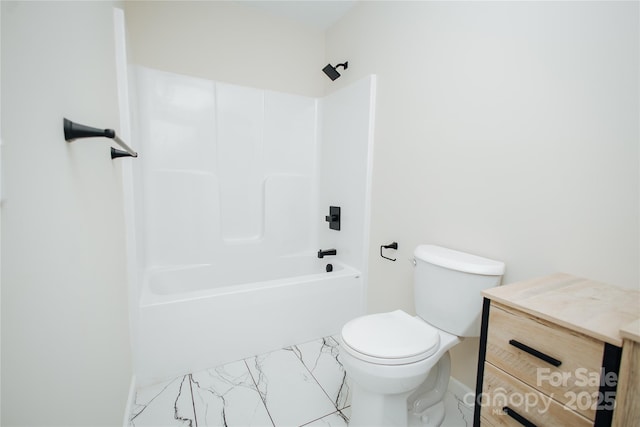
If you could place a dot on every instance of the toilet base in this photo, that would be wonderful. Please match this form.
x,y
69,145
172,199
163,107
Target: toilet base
x,y
430,417
422,406
374,409
432,390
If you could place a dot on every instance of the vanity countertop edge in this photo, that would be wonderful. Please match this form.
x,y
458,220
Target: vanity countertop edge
x,y
595,309
631,331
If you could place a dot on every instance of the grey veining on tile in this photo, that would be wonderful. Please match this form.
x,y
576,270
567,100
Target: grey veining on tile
x,y
164,404
291,394
300,385
227,396
337,419
457,413
322,359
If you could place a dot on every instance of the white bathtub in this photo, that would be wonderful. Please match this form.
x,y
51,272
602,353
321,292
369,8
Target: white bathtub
x,y
199,317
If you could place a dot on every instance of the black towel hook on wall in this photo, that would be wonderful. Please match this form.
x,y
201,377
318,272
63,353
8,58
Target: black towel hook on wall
x,y
73,131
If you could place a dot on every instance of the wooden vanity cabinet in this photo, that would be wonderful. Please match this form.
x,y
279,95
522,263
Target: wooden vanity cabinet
x,y
545,358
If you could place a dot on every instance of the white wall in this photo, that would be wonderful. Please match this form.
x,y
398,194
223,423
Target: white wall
x,y
65,349
505,129
227,42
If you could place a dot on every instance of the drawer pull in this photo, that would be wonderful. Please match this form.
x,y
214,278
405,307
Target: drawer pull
x,y
536,353
519,418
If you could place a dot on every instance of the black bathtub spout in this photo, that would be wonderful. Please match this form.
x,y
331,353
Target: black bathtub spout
x,y
322,254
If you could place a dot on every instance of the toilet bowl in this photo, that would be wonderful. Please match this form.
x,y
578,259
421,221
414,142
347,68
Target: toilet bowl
x,y
400,364
389,356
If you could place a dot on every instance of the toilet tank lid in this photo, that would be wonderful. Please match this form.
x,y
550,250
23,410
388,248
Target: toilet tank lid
x,y
459,261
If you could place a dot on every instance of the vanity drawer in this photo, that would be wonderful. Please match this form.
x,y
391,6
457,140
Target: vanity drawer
x,y
501,390
556,361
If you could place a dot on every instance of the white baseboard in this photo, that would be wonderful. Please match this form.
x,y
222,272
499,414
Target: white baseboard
x,y
130,402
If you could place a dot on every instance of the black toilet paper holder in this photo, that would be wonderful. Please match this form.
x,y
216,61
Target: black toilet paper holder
x,y
393,245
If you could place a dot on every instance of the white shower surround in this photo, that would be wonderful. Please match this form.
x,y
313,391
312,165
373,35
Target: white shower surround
x,y
232,186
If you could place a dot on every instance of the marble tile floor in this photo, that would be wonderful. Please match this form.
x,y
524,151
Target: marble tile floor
x,y
302,385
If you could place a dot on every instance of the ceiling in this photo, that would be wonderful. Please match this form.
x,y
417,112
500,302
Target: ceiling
x,y
318,14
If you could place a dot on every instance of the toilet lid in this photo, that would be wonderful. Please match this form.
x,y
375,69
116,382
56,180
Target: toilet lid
x,y
396,337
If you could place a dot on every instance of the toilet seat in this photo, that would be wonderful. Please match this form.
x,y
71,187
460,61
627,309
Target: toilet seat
x,y
393,338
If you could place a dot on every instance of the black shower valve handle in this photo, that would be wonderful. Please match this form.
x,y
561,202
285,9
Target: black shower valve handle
x,y
333,218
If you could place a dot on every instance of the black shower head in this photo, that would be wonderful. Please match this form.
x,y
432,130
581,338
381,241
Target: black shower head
x,y
332,72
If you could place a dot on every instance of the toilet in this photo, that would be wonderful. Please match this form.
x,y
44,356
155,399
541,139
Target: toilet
x,y
399,364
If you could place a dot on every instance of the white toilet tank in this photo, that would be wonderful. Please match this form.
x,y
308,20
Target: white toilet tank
x,y
447,288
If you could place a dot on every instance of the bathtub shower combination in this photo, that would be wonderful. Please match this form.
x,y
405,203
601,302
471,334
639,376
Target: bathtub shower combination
x,y
230,194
